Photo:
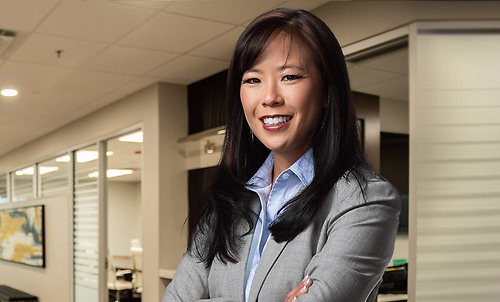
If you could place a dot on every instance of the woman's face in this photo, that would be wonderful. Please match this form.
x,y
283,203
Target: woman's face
x,y
282,97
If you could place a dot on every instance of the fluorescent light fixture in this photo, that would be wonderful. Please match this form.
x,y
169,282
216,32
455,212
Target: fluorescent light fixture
x,y
8,92
82,156
63,159
113,173
25,171
47,169
135,137
31,170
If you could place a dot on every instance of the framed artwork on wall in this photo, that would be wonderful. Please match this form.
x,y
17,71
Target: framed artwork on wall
x,y
22,237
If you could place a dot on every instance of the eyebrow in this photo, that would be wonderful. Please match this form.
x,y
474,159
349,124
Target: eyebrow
x,y
279,68
290,66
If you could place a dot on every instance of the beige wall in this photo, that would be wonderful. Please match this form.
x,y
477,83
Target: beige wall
x,y
172,181
125,215
51,283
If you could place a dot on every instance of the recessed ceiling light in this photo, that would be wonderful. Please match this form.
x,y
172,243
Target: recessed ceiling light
x,y
8,92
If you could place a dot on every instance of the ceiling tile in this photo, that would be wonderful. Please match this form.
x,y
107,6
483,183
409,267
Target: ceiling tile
x,y
301,4
188,69
128,89
361,77
220,48
31,78
395,89
42,49
24,15
395,61
93,20
128,60
134,86
91,83
233,12
163,32
155,5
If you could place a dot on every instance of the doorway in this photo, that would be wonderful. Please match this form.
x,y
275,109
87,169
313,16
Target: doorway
x,y
124,217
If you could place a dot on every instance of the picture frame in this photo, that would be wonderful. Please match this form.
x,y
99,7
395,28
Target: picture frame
x,y
22,235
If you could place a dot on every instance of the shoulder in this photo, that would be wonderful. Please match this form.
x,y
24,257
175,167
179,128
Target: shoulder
x,y
363,189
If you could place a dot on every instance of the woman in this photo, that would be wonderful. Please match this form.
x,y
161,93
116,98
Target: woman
x,y
295,211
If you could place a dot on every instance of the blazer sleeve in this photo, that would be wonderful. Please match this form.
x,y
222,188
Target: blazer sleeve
x,y
189,282
358,242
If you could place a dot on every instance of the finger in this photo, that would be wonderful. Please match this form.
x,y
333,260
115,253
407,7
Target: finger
x,y
301,289
295,291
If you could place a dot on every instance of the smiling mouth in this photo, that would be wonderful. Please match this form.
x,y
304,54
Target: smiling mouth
x,y
276,121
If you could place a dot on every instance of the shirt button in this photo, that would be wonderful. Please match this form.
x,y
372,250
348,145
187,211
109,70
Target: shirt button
x,y
285,176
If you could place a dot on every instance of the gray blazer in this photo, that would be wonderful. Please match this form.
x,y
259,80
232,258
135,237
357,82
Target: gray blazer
x,y
345,250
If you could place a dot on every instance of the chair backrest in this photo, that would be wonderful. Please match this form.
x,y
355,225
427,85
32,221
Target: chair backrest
x,y
137,256
111,270
123,262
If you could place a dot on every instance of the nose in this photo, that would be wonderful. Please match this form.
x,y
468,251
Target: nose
x,y
272,95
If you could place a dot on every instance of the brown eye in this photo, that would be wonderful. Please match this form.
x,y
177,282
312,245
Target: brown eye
x,y
291,77
251,81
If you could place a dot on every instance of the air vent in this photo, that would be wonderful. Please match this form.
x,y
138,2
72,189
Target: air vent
x,y
6,38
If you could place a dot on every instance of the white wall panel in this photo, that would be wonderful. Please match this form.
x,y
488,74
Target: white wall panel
x,y
456,165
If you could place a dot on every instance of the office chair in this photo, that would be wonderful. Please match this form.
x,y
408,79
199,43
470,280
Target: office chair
x,y
116,276
137,272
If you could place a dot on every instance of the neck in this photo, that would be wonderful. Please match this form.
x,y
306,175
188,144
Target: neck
x,y
283,162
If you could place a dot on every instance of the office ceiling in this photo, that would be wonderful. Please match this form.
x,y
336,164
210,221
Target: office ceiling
x,y
70,58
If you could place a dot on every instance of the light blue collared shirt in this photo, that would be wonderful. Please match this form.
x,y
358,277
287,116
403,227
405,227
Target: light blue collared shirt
x,y
272,199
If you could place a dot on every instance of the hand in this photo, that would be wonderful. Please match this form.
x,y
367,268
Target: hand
x,y
299,290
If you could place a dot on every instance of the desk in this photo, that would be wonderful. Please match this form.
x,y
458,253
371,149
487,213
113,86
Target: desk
x,y
392,297
8,293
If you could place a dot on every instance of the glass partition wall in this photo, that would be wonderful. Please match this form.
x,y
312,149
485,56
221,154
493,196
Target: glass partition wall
x,y
124,218
23,184
107,219
54,176
77,174
3,189
455,161
86,225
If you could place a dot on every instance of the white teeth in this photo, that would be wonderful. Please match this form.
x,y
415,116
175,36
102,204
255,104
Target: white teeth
x,y
274,121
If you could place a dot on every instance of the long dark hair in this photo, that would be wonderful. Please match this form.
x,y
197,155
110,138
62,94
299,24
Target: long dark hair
x,y
336,144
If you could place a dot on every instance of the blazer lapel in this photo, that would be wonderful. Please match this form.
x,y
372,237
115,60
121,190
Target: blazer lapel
x,y
271,253
239,268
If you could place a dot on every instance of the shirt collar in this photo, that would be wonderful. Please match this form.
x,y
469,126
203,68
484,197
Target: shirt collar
x,y
303,168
